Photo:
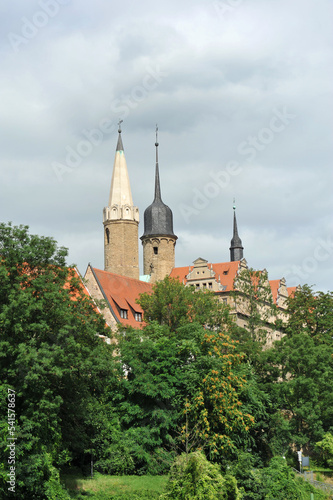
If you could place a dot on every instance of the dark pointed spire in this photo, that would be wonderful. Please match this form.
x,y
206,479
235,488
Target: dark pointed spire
x,y
120,146
158,219
236,248
157,172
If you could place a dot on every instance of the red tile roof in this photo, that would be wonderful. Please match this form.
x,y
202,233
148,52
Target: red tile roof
x,y
291,290
275,285
121,292
225,271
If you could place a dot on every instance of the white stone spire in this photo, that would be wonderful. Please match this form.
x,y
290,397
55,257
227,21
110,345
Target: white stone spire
x,y
120,192
121,220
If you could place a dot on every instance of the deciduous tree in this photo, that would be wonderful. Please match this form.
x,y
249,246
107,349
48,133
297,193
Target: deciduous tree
x,y
51,356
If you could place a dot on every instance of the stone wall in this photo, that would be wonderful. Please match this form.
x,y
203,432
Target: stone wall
x,y
121,252
96,294
158,257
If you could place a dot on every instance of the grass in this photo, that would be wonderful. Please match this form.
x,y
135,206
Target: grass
x,y
321,474
115,487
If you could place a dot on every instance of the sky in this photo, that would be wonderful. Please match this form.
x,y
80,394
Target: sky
x,y
241,91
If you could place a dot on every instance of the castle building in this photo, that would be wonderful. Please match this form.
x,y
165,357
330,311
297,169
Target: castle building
x,y
119,284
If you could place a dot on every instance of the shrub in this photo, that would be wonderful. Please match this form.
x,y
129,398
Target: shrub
x,y
193,477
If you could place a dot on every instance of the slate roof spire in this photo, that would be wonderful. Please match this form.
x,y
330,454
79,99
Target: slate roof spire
x,y
157,172
236,248
158,219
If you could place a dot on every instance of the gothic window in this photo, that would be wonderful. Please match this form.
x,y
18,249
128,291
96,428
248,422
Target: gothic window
x,y
107,232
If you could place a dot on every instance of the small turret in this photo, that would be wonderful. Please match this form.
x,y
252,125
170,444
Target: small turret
x,y
158,238
236,248
158,219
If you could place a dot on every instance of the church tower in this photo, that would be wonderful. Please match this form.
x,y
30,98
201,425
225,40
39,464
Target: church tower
x,y
158,239
236,248
121,221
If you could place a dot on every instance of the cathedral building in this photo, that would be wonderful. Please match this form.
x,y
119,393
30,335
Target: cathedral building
x,y
119,284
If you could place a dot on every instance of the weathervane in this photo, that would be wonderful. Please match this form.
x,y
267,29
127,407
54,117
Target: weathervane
x,y
119,125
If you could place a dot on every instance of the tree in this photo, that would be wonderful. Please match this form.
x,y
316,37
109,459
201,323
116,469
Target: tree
x,y
181,378
174,305
52,357
223,425
325,449
304,360
311,314
254,302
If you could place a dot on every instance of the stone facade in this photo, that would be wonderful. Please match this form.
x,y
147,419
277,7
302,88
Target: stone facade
x,y
96,292
220,278
158,256
121,252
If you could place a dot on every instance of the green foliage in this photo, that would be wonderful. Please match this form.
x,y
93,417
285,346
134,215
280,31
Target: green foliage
x,y
303,396
192,477
325,449
174,305
177,385
311,314
253,298
249,478
280,483
190,380
275,482
52,357
223,425
181,383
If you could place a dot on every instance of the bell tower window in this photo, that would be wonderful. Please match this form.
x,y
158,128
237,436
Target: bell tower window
x,y
155,250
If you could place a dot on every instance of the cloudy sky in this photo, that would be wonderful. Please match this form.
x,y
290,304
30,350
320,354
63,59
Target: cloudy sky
x,y
242,94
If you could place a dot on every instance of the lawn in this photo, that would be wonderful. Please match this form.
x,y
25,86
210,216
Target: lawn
x,y
103,487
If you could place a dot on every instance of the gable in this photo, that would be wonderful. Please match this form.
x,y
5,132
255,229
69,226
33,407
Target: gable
x,y
120,294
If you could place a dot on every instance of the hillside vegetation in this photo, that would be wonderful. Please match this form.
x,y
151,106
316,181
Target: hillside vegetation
x,y
191,394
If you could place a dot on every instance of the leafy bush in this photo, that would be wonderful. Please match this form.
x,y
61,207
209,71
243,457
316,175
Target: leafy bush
x,y
280,483
325,449
193,477
249,478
